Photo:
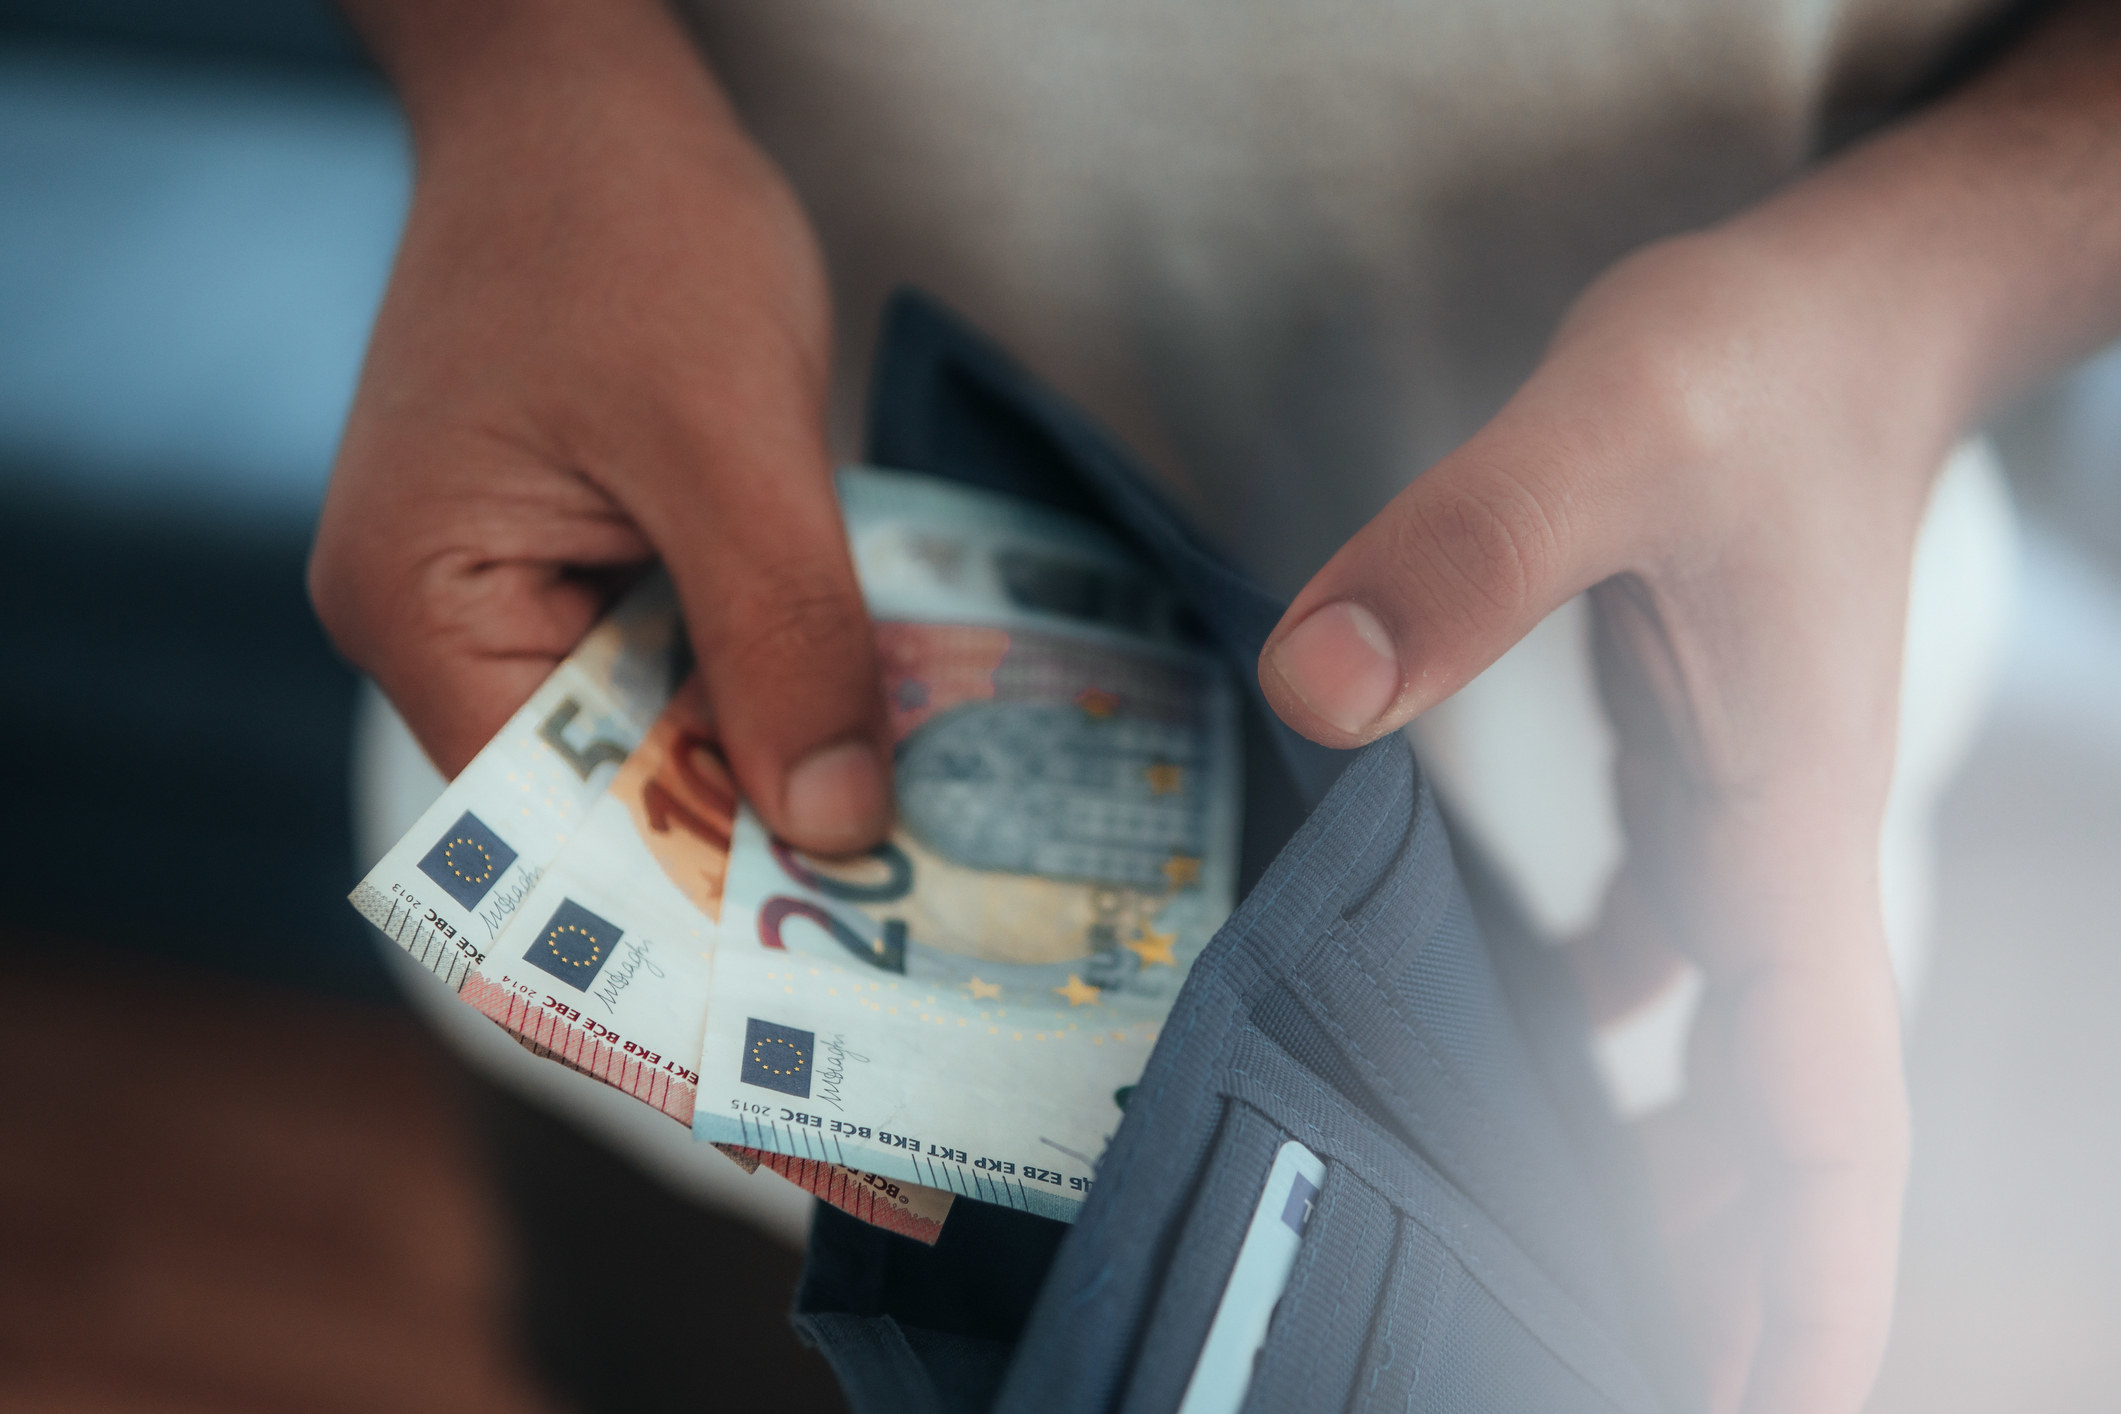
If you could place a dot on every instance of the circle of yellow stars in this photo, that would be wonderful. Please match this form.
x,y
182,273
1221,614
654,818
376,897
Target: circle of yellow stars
x,y
552,940
761,1062
449,857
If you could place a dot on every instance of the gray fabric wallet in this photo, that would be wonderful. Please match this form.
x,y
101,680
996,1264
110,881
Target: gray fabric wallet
x,y
1475,1243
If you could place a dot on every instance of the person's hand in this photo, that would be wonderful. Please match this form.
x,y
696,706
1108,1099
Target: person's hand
x,y
606,340
1709,446
1730,443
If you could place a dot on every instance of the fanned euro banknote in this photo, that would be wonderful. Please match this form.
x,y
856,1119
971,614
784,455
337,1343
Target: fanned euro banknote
x,y
967,1006
1066,767
452,891
451,888
613,973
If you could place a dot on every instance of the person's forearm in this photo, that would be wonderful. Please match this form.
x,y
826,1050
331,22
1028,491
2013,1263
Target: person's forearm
x,y
460,63
1979,242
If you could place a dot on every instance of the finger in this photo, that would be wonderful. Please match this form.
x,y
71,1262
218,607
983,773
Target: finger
x,y
1714,1245
458,576
1764,874
1462,564
1820,1035
1823,1329
1794,1089
1707,1196
759,556
486,641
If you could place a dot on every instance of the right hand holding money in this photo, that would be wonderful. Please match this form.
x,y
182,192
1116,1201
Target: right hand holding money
x,y
606,341
964,1008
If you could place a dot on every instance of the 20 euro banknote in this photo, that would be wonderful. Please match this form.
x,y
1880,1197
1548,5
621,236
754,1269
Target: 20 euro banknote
x,y
966,1006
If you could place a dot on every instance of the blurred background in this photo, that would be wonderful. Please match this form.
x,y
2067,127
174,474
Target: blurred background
x,y
235,1174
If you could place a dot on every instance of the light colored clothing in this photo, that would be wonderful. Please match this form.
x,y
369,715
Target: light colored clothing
x,y
1292,250
1296,252
1293,253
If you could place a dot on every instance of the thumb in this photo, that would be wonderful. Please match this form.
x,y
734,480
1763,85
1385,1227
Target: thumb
x,y
1463,563
758,554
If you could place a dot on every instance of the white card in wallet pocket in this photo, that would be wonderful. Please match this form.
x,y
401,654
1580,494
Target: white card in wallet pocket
x,y
1224,1371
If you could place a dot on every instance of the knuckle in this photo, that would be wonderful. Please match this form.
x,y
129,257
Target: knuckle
x,y
1671,341
1682,394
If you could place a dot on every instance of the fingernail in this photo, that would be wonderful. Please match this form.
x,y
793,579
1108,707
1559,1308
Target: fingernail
x,y
835,795
1340,662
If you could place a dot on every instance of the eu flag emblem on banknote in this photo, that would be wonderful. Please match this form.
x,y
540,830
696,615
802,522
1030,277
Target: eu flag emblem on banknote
x,y
777,1057
574,945
467,860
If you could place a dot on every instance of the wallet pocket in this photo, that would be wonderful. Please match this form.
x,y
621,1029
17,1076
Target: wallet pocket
x,y
1308,1364
1441,1344
1458,1318
1202,1258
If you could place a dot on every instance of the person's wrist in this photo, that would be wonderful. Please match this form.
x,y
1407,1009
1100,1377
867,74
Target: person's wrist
x,y
474,73
1963,235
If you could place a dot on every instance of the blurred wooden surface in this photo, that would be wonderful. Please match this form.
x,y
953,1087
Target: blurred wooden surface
x,y
218,1198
